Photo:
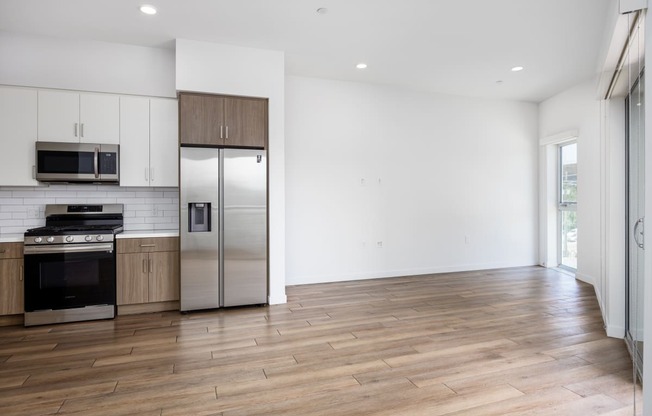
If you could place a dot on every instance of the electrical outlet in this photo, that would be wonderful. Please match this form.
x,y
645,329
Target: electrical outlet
x,y
32,213
467,240
379,244
155,212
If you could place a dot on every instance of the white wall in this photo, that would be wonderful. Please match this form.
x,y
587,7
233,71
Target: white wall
x,y
85,65
600,191
445,183
223,69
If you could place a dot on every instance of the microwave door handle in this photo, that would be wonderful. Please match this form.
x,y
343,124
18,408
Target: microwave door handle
x,y
96,162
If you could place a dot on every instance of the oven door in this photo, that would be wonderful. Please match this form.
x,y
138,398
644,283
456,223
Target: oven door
x,y
59,277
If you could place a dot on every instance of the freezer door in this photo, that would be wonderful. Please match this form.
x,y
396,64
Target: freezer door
x,y
245,227
199,228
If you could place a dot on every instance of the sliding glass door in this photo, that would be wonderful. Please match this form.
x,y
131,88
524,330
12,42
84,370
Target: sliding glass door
x,y
635,110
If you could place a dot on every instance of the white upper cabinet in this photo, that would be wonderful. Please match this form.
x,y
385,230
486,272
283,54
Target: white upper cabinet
x,y
164,142
149,146
17,136
134,141
99,118
65,116
58,116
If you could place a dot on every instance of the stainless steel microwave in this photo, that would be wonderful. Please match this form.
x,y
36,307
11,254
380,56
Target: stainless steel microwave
x,y
77,162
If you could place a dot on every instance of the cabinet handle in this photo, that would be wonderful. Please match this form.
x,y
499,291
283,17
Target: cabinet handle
x,y
81,129
221,132
33,171
144,266
151,174
148,245
151,265
76,125
146,179
3,251
21,273
227,132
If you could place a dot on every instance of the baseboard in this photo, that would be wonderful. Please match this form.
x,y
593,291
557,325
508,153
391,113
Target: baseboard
x,y
10,320
615,331
404,272
585,278
148,307
277,299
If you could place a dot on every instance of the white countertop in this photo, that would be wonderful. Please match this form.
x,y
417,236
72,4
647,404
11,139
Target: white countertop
x,y
12,238
148,234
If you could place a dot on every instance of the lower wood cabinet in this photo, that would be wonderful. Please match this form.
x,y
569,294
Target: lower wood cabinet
x,y
148,270
11,279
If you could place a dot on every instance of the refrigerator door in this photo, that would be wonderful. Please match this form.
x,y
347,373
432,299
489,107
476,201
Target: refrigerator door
x,y
245,227
199,228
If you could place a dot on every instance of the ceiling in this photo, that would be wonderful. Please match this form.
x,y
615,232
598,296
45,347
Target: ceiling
x,y
461,47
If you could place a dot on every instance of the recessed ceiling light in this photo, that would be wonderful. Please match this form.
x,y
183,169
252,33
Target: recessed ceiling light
x,y
322,10
148,9
361,65
500,81
517,68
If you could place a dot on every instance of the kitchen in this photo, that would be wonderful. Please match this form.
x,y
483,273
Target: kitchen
x,y
364,242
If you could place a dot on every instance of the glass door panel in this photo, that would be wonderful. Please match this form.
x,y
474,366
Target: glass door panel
x,y
568,206
635,106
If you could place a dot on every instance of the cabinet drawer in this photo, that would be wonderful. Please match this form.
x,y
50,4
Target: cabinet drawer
x,y
11,250
147,245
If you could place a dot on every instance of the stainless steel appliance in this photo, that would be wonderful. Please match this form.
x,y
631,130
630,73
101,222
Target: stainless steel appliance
x,y
223,227
70,264
77,162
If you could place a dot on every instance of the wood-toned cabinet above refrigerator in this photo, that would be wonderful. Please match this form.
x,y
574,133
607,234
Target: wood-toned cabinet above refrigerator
x,y
68,116
218,120
18,117
149,144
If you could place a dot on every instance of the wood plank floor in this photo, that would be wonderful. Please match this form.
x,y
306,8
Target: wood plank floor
x,y
525,341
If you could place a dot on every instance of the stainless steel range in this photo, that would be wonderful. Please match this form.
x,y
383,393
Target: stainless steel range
x,y
70,264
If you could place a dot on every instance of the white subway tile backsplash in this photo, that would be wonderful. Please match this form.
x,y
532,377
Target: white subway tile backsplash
x,y
24,207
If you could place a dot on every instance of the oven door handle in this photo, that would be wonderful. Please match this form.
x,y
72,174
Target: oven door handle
x,y
82,248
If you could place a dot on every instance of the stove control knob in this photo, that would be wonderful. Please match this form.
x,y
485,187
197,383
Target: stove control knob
x,y
50,239
38,239
100,237
88,238
70,239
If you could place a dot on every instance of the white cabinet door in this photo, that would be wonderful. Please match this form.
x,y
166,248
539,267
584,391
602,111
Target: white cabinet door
x,y
134,141
99,118
17,136
58,116
164,142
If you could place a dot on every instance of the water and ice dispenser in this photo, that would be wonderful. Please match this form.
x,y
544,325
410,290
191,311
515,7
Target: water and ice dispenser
x,y
199,218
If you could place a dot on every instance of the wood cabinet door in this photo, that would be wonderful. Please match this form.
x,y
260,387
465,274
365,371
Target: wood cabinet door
x,y
134,141
201,119
11,287
132,278
246,122
58,116
99,117
164,276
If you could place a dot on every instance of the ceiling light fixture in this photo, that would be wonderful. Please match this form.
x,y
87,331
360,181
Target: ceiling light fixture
x,y
517,68
148,9
361,65
322,10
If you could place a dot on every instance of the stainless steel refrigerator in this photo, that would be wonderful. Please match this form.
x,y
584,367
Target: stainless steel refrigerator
x,y
223,227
